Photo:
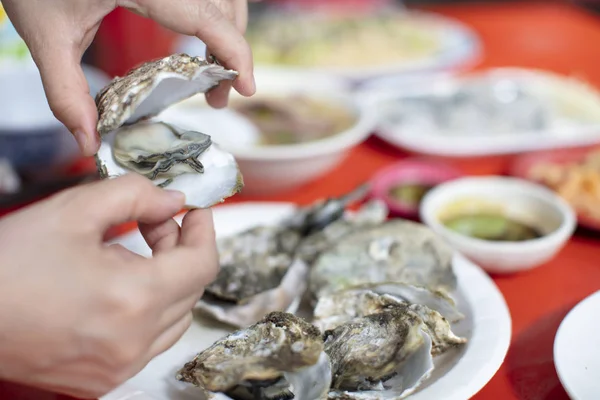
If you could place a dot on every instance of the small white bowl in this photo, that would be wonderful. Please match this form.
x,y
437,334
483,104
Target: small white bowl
x,y
270,169
522,200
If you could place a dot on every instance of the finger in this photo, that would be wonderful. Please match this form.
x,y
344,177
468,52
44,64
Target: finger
x,y
101,205
184,271
204,19
124,253
241,15
68,94
170,336
198,230
160,236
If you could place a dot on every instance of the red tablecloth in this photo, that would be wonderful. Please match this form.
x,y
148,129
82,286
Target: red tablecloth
x,y
557,37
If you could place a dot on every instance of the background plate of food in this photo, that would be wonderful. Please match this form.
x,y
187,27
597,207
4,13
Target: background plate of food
x,y
573,173
497,111
355,46
454,360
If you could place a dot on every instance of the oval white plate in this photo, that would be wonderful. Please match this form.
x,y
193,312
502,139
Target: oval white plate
x,y
458,375
577,350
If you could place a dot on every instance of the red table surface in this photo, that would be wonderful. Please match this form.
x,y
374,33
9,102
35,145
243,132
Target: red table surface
x,y
557,37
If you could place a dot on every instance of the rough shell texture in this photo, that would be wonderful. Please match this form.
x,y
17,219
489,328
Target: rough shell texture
x,y
276,347
371,214
342,307
286,296
396,251
147,90
252,262
384,352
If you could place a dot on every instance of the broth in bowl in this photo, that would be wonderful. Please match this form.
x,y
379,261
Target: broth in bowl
x,y
295,119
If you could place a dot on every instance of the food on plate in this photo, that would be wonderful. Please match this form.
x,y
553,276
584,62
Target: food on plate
x,y
495,104
334,308
265,268
319,40
381,307
395,251
576,182
134,140
294,119
408,193
280,357
492,227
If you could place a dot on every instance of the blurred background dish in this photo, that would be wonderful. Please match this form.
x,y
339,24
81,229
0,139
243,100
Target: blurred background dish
x,y
574,174
503,224
491,112
403,185
30,135
295,129
356,46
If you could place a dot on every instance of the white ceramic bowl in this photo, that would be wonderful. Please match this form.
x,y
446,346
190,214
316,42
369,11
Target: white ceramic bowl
x,y
519,199
270,169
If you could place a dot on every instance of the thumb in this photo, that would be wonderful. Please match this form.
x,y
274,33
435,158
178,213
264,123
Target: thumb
x,y
68,95
101,205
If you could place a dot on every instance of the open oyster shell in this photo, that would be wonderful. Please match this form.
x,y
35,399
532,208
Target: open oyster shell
x,y
265,268
132,141
279,357
342,307
383,355
395,251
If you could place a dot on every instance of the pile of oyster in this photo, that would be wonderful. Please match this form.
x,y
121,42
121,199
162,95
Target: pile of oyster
x,y
135,140
378,291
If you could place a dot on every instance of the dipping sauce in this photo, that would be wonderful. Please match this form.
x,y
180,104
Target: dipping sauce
x,y
493,227
409,193
294,119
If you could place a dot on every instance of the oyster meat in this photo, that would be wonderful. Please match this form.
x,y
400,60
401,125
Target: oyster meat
x,y
280,357
342,307
265,268
382,355
135,140
395,251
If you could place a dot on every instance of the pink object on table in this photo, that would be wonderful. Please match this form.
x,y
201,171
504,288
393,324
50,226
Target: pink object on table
x,y
419,171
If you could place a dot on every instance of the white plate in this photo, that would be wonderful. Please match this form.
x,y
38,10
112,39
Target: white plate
x,y
577,350
458,375
546,84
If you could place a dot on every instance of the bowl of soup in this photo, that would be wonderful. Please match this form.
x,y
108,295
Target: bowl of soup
x,y
295,129
503,224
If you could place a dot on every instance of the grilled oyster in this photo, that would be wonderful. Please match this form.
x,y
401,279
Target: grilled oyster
x,y
262,269
383,355
134,140
395,251
280,357
342,307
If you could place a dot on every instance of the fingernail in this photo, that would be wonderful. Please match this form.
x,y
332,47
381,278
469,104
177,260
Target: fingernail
x,y
82,140
253,84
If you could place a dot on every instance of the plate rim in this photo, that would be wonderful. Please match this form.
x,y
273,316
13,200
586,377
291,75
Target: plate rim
x,y
483,296
559,337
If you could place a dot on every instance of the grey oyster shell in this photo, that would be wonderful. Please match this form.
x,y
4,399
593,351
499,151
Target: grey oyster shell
x,y
266,268
371,214
387,352
342,307
280,354
148,89
395,251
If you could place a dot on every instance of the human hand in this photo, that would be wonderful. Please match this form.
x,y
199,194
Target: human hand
x,y
58,32
79,317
